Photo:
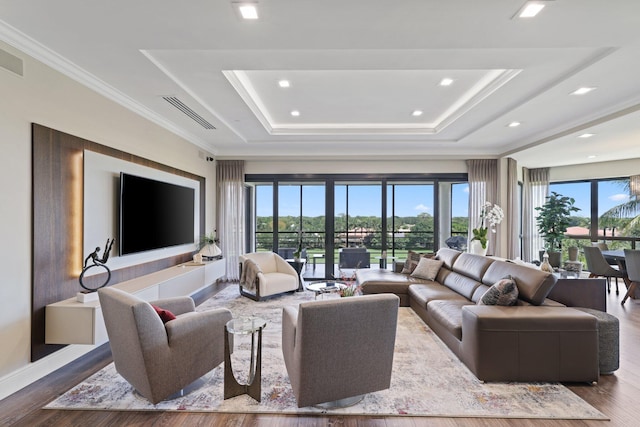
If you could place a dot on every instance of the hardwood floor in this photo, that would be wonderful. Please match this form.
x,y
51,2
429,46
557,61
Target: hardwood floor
x,y
615,395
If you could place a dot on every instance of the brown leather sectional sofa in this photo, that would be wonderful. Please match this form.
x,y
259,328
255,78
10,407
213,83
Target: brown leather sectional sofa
x,y
538,339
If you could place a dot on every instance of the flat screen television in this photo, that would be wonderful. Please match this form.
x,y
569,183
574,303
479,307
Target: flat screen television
x,y
154,214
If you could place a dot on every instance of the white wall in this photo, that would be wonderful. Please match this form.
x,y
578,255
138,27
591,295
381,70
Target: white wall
x,y
47,97
350,166
620,168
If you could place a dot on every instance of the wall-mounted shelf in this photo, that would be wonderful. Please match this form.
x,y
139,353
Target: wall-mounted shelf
x,y
73,322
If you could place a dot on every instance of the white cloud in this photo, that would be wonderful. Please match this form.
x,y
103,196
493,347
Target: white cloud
x,y
466,189
422,208
619,197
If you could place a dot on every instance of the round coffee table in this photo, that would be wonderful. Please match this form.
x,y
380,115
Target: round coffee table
x,y
326,287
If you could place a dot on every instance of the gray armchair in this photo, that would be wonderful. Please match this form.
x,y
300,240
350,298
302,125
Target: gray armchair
x,y
632,261
159,359
599,267
337,350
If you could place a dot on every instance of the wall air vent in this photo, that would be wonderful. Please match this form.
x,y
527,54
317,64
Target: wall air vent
x,y
188,111
11,63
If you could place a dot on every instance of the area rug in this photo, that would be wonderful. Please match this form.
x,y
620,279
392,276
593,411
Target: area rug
x,y
427,380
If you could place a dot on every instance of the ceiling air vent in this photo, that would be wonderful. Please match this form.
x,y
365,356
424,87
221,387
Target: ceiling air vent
x,y
188,111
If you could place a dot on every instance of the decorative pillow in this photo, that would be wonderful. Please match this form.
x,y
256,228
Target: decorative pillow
x,y
413,258
165,315
503,292
427,269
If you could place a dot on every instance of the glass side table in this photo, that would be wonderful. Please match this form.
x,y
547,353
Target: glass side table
x,y
244,326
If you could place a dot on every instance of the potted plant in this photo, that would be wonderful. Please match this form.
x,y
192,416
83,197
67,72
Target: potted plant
x,y
490,216
208,245
552,221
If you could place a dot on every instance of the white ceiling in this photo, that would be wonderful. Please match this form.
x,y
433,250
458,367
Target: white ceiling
x,y
358,69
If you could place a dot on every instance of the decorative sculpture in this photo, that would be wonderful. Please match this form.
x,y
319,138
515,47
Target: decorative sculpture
x,y
97,262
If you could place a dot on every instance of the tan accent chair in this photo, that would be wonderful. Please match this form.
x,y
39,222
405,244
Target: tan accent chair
x,y
599,267
159,359
339,349
276,276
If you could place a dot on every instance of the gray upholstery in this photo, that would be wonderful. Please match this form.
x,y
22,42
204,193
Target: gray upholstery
x,y
632,260
277,275
354,258
599,267
160,359
339,348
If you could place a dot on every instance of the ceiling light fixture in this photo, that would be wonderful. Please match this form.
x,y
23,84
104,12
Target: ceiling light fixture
x,y
295,113
586,135
248,10
591,157
416,113
446,81
531,8
582,90
284,83
514,124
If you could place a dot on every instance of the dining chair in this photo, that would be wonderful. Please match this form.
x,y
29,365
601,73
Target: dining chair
x,y
632,259
599,267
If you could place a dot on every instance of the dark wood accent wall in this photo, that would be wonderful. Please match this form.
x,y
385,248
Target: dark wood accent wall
x,y
57,180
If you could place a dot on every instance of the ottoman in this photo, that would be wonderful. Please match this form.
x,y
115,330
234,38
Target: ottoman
x,y
608,340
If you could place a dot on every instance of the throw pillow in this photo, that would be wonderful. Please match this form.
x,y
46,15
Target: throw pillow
x,y
427,269
165,315
503,292
413,258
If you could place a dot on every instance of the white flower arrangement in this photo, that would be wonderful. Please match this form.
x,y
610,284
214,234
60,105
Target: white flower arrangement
x,y
491,215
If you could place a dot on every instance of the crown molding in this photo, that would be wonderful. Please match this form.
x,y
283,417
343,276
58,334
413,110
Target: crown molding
x,y
19,40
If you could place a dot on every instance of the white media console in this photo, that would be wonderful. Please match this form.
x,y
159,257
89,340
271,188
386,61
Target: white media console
x,y
74,322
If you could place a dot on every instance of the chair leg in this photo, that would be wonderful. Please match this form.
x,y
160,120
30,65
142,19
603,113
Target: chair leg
x,y
630,291
617,291
608,284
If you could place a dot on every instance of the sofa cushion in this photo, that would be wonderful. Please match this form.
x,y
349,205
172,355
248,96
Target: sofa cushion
x,y
375,281
503,292
447,255
427,269
533,285
473,266
413,259
425,293
448,313
459,283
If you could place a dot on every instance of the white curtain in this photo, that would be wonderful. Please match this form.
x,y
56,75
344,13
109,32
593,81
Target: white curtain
x,y
535,188
483,187
230,213
512,210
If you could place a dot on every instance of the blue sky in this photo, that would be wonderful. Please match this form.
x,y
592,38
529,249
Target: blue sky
x,y
414,199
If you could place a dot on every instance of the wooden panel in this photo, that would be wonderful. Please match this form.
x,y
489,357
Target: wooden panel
x,y
57,192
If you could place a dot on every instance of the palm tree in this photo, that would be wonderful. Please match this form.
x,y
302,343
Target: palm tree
x,y
624,211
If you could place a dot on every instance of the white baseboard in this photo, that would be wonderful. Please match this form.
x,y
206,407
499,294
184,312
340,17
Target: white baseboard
x,y
31,373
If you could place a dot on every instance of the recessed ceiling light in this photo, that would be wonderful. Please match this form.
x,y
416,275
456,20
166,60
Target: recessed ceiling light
x,y
295,113
530,9
416,113
248,10
514,124
446,81
284,83
582,90
586,135
591,157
